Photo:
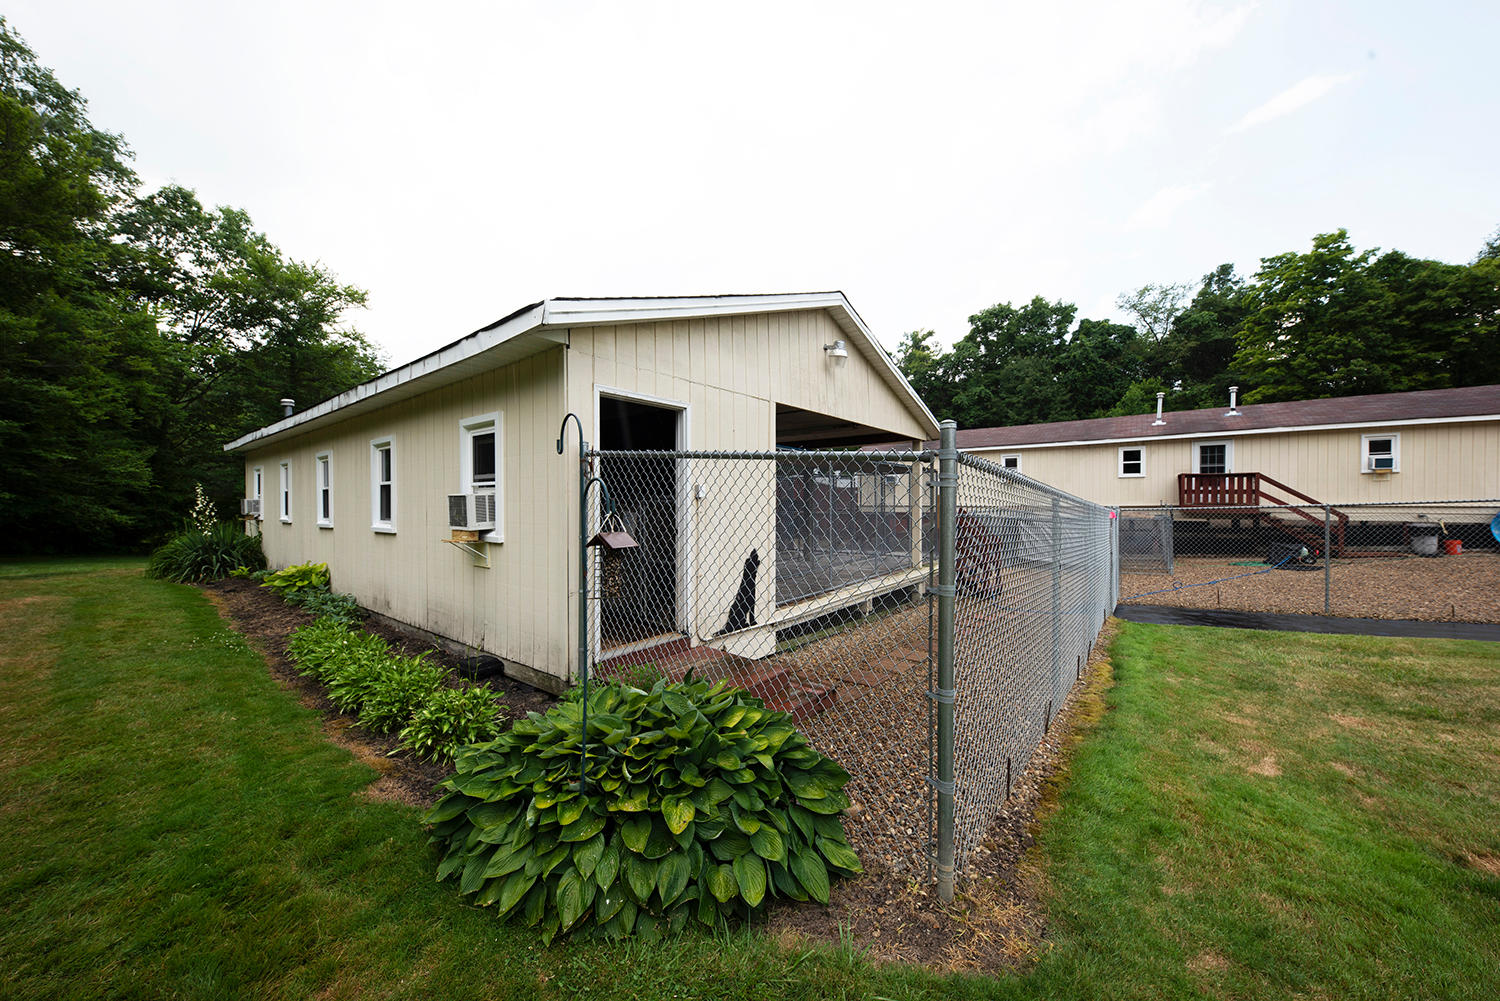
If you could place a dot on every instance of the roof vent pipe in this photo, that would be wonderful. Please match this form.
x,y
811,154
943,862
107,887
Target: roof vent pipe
x,y
1159,398
1234,392
287,403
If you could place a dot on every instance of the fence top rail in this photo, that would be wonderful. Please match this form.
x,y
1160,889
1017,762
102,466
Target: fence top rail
x,y
853,458
1022,480
1316,504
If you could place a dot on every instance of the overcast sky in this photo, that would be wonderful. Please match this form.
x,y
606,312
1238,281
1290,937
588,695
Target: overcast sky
x,y
459,160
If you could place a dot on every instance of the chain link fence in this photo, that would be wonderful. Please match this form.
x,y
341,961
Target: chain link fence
x,y
1431,561
1035,580
810,579
801,577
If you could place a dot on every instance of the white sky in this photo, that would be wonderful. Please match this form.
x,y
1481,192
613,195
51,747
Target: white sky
x,y
929,159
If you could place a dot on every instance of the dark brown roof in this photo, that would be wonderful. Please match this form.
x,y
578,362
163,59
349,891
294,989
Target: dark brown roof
x,y
1427,404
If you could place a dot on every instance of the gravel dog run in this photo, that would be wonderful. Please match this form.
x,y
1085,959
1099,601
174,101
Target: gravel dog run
x,y
1463,588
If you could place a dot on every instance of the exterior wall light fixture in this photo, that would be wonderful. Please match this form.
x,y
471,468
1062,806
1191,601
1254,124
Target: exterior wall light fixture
x,y
838,351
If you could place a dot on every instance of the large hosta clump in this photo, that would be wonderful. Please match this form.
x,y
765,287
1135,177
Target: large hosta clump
x,y
698,803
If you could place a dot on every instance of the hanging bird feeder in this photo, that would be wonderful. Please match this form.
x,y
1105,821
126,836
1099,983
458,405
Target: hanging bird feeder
x,y
612,540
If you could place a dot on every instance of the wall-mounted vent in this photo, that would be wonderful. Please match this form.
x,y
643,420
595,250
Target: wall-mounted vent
x,y
472,512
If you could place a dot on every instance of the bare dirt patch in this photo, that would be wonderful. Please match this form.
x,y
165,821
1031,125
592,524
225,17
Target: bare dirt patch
x,y
1485,863
1463,588
997,920
267,622
1266,766
1208,961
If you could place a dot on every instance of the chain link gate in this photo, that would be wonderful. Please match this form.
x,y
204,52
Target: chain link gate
x,y
811,580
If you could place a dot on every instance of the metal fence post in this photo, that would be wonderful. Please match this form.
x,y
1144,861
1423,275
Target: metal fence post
x,y
1327,560
947,592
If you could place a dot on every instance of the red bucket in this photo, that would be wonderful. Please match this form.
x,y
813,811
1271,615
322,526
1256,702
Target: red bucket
x,y
1453,546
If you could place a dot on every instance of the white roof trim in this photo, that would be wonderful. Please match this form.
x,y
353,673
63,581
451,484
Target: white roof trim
x,y
552,317
1148,439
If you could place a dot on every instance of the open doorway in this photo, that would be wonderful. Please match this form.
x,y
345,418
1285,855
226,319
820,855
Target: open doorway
x,y
638,596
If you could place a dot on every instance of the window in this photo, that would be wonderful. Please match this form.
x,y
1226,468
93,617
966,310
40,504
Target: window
x,y
1132,461
1382,453
286,492
1213,457
323,464
479,462
383,484
258,485
1012,461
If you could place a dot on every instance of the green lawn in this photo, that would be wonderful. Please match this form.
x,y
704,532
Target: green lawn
x,y
1258,815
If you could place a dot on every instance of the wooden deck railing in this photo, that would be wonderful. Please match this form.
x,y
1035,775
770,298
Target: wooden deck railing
x,y
1245,492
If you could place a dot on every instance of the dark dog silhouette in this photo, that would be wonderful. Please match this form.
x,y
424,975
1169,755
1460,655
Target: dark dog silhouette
x,y
742,611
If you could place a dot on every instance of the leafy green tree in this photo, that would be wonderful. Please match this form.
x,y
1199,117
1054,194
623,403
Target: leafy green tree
x,y
78,359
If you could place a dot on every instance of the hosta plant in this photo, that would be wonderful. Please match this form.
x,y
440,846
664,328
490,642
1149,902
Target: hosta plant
x,y
449,719
697,802
362,675
287,581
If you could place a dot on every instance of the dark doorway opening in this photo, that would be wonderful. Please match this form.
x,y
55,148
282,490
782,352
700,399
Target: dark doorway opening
x,y
641,603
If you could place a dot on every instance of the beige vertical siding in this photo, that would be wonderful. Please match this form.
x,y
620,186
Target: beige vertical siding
x,y
730,373
1458,461
515,609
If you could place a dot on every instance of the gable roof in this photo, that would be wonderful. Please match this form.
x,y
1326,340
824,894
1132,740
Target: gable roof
x,y
1379,410
541,325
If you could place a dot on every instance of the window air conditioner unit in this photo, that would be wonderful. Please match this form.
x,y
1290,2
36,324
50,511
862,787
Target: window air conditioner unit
x,y
250,507
471,512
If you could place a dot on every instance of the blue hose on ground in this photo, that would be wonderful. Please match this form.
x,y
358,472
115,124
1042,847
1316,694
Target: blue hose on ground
x,y
1184,587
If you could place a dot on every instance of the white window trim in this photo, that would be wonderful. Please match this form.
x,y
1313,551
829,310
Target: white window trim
x,y
1120,465
376,525
284,494
319,466
1367,464
467,428
1228,454
1011,455
258,489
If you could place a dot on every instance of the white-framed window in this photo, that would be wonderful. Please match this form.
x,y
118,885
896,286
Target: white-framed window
x,y
1380,453
323,470
286,493
383,484
1132,461
1213,457
1011,461
479,468
258,488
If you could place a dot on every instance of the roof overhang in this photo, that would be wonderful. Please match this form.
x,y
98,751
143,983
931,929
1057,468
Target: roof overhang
x,y
542,325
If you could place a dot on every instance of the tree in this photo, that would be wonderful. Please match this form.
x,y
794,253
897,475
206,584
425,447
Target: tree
x,y
78,359
1333,322
137,334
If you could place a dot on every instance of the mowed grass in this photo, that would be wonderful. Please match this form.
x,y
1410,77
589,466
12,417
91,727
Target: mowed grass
x,y
1256,815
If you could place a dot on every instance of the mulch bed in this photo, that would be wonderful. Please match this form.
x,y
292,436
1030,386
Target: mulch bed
x,y
267,623
996,921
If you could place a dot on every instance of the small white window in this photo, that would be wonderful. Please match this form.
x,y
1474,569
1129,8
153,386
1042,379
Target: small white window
x,y
1132,461
383,484
323,464
286,492
1213,457
258,485
479,463
1011,461
1382,453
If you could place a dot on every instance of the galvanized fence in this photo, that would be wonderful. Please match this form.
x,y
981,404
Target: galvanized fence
x,y
1431,561
814,580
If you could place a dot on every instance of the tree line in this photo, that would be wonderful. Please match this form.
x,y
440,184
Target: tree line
x,y
1331,321
139,331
